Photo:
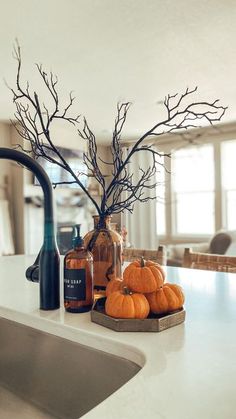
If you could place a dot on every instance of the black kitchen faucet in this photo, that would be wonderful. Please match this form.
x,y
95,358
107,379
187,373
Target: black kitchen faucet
x,y
46,268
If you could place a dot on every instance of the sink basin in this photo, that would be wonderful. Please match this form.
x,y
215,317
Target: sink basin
x,y
45,376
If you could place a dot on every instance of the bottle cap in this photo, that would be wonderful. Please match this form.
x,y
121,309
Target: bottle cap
x,y
77,239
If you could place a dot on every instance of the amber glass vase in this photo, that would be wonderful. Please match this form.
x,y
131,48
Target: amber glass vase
x,y
105,245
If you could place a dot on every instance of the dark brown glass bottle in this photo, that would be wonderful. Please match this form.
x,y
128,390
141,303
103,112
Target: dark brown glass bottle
x,y
105,245
78,276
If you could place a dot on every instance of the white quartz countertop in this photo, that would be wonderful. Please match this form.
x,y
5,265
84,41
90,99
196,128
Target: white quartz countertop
x,y
188,371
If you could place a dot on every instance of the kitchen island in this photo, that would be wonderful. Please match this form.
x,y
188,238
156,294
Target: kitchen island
x,y
188,371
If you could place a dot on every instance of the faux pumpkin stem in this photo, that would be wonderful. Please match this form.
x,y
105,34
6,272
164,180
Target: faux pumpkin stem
x,y
142,263
126,291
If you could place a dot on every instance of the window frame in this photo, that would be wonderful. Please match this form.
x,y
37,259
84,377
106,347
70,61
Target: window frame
x,y
171,236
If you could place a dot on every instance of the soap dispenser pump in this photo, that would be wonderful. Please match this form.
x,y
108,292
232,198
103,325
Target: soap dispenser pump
x,y
78,276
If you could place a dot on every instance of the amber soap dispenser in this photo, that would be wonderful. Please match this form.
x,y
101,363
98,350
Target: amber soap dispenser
x,y
78,276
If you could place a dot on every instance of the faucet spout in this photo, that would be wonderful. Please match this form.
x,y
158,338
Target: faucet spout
x,y
46,268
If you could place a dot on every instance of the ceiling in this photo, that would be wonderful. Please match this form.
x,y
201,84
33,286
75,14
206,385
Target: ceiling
x,y
122,50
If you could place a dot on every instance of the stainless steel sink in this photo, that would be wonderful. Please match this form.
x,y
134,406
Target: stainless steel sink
x,y
45,376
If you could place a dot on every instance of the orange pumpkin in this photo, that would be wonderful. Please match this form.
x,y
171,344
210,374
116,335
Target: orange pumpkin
x,y
113,285
143,276
127,305
168,298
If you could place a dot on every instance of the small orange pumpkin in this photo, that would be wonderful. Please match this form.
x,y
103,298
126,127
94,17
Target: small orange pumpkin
x,y
143,276
168,298
114,285
127,305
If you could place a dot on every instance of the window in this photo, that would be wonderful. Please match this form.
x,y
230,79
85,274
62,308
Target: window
x,y
57,174
199,196
228,168
193,190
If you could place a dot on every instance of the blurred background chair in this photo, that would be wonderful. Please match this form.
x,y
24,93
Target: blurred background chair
x,y
159,255
210,262
222,243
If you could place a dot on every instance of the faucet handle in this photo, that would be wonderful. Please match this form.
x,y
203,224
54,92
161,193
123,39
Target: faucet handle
x,y
32,272
47,265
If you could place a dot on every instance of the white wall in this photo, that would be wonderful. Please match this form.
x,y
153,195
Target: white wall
x,y
66,135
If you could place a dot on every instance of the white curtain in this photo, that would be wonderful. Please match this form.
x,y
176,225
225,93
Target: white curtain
x,y
6,238
141,224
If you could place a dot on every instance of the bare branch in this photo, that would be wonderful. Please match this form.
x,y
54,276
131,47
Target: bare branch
x,y
55,184
179,117
34,119
90,157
